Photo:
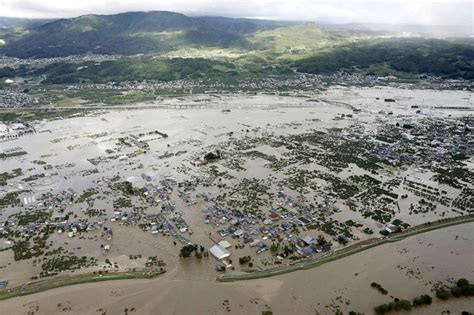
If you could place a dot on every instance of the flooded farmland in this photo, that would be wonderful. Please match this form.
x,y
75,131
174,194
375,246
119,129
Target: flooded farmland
x,y
268,180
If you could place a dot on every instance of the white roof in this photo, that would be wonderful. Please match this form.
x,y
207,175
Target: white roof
x,y
225,244
15,126
133,179
219,252
255,243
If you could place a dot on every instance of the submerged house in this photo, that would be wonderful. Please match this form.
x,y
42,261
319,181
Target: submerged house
x,y
390,229
307,251
309,240
239,233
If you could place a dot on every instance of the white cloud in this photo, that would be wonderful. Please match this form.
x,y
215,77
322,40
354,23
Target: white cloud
x,y
336,11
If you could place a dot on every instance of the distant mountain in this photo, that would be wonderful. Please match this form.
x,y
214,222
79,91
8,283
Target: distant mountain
x,y
435,31
131,33
14,23
450,59
177,47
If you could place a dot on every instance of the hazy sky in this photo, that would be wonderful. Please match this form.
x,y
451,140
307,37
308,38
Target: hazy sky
x,y
337,11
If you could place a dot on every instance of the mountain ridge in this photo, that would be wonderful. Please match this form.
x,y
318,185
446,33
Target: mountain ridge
x,y
130,33
212,46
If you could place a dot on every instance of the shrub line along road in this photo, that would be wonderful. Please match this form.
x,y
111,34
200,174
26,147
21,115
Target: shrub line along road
x,y
47,284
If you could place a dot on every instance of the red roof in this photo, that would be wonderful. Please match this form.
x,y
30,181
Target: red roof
x,y
216,238
274,216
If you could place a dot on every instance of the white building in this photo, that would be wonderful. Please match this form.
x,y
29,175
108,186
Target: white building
x,y
219,252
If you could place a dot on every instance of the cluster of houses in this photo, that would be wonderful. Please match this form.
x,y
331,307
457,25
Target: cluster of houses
x,y
15,130
62,225
261,232
257,230
139,85
159,224
434,141
11,98
73,228
305,246
154,192
127,218
14,63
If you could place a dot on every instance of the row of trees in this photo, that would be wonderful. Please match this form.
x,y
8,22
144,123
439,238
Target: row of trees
x,y
187,250
462,288
398,305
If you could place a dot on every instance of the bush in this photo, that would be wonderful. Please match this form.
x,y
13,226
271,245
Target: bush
x,y
462,288
244,259
382,309
212,156
462,282
443,294
397,305
379,287
424,299
468,290
403,305
187,250
456,291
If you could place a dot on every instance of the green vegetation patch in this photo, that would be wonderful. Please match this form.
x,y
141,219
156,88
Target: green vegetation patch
x,y
449,59
9,175
32,217
10,198
64,263
462,288
4,156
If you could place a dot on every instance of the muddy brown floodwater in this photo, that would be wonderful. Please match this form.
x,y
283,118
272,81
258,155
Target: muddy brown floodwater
x,y
407,269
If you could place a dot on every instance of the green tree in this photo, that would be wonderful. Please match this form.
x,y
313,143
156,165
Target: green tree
x,y
187,250
462,282
443,294
321,239
274,247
